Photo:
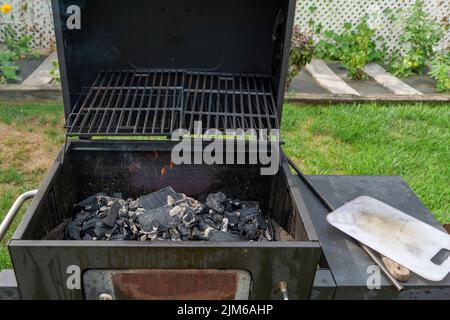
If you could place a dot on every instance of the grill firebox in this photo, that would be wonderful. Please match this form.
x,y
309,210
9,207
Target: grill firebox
x,y
43,267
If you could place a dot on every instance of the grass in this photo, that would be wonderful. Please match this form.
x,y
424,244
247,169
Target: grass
x,y
412,141
30,137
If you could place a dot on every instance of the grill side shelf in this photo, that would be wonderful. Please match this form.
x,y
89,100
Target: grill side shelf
x,y
157,102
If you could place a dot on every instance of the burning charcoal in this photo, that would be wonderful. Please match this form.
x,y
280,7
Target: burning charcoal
x,y
159,198
81,217
113,213
203,225
118,237
267,235
198,234
225,237
233,218
59,232
209,232
189,217
215,201
174,235
209,220
73,231
170,200
133,205
167,215
161,215
111,231
90,224
184,231
249,232
134,229
165,235
87,237
224,227
262,223
217,218
193,204
100,230
176,211
247,213
91,203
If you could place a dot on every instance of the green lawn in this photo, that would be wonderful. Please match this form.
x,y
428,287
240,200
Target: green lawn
x,y
30,137
412,141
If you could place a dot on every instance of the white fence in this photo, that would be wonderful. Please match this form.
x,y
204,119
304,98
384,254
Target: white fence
x,y
35,16
332,14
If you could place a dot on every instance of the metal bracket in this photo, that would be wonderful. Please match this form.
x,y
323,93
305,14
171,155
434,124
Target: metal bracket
x,y
9,218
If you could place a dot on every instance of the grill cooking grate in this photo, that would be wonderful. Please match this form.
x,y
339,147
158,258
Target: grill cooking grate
x,y
158,102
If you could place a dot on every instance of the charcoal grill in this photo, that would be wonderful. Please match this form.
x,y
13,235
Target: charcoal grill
x,y
131,75
144,71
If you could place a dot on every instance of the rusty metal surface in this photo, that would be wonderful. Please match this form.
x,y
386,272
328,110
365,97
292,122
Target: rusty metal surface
x,y
168,284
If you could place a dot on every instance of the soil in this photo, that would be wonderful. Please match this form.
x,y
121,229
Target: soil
x,y
30,151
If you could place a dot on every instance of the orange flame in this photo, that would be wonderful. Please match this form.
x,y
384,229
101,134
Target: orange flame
x,y
163,171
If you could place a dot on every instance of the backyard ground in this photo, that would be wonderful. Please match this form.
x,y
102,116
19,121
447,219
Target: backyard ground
x,y
412,141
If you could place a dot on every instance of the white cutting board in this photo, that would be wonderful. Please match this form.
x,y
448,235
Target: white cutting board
x,y
394,234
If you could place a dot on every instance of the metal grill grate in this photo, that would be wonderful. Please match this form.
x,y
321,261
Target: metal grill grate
x,y
159,102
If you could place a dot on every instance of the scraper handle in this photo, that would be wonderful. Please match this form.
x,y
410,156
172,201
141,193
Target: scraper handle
x,y
383,268
398,271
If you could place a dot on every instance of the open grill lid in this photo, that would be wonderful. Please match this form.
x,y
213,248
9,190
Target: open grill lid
x,y
151,67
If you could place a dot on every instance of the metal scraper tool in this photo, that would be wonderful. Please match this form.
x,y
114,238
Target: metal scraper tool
x,y
404,239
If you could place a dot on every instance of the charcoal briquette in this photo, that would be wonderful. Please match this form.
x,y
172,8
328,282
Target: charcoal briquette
x,y
90,203
174,235
249,232
232,217
159,198
73,231
113,213
262,223
220,236
215,201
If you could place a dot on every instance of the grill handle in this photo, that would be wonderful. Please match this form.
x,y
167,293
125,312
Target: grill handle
x,y
9,218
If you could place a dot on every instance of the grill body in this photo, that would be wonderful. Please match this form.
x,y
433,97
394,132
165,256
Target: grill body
x,y
148,68
44,268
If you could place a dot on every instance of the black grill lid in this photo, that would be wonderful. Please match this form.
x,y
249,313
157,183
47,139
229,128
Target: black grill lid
x,y
149,67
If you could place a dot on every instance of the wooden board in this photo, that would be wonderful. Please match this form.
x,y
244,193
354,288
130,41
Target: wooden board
x,y
41,75
328,79
389,81
313,98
